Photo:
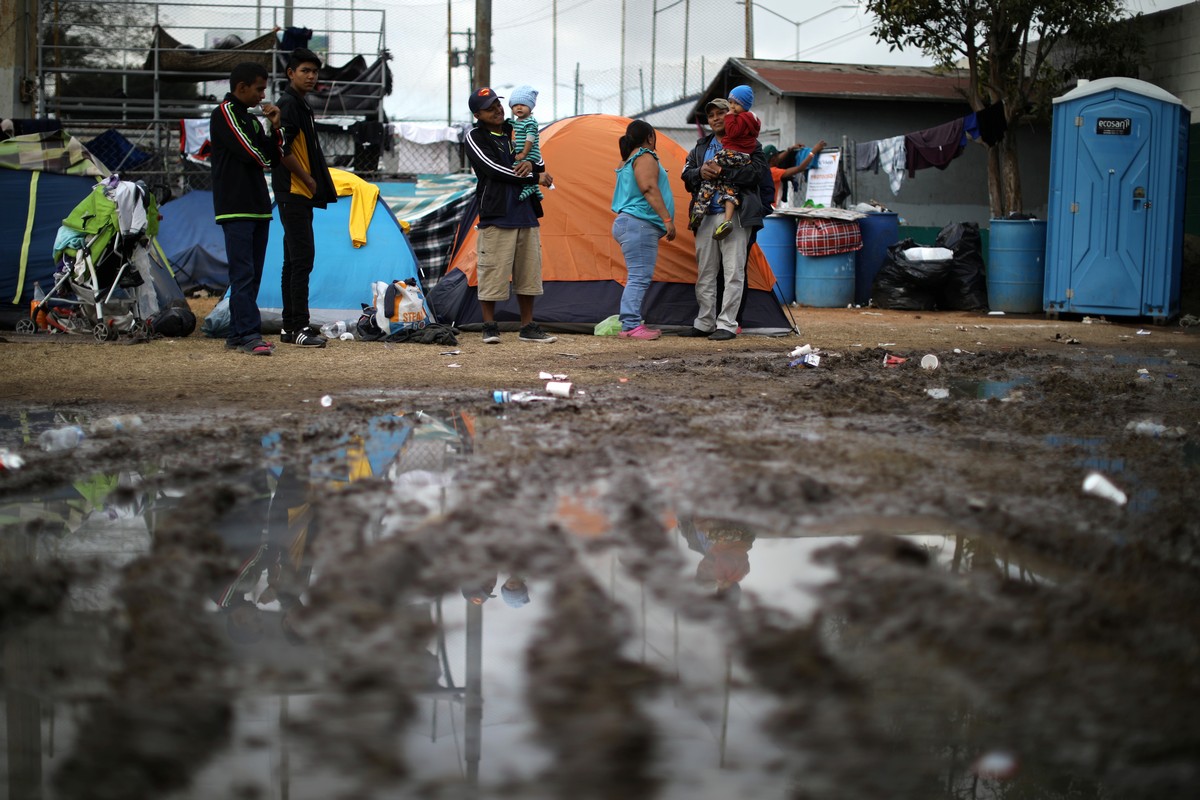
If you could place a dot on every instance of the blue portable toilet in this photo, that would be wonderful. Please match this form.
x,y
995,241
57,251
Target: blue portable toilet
x,y
1118,172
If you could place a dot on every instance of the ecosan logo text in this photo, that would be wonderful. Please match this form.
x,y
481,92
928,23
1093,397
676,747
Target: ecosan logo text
x,y
1114,127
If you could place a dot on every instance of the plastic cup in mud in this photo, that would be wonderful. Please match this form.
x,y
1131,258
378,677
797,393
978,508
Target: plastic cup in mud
x,y
559,388
1100,486
930,361
893,361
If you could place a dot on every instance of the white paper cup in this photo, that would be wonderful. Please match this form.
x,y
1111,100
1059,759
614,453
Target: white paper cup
x,y
929,361
559,388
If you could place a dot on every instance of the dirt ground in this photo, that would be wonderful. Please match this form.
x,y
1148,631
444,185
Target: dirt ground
x,y
744,576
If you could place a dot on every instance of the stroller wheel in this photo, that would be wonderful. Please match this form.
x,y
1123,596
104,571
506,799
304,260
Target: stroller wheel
x,y
26,326
103,333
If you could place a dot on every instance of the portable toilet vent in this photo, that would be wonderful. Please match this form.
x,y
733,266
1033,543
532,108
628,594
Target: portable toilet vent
x,y
1118,173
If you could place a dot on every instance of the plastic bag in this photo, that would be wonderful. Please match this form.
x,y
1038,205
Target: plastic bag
x,y
398,306
218,322
608,327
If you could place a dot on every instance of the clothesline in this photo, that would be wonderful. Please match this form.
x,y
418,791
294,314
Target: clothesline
x,y
932,147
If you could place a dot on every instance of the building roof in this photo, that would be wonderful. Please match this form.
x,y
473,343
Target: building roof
x,y
849,81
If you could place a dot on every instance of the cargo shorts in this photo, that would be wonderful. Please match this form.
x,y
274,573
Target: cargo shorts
x,y
508,254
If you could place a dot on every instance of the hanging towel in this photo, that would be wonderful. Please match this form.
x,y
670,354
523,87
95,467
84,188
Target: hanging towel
x,y
891,158
933,147
866,157
992,123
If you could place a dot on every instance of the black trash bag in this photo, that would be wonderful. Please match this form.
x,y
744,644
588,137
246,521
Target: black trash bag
x,y
965,288
176,320
905,285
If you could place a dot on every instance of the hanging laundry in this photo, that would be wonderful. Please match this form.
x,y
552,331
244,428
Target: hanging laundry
x,y
933,147
970,128
841,186
992,123
866,157
891,159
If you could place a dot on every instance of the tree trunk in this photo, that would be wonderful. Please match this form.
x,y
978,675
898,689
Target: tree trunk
x,y
1010,173
995,195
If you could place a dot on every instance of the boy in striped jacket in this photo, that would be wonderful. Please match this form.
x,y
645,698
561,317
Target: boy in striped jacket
x,y
242,150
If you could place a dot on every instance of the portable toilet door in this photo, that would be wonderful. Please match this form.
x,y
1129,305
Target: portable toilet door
x,y
1118,170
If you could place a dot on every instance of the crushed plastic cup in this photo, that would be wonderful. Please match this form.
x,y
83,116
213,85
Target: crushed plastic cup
x,y
893,361
326,401
929,361
801,351
1100,486
559,388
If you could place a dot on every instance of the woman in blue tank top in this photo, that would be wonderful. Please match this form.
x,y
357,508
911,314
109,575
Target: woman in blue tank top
x,y
645,213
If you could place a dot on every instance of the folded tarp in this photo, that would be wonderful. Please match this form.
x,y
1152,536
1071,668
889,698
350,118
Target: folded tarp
x,y
174,56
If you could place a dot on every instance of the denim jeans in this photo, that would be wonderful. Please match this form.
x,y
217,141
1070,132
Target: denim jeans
x,y
639,244
245,250
298,254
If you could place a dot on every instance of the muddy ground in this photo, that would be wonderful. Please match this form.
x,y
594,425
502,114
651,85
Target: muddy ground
x,y
742,577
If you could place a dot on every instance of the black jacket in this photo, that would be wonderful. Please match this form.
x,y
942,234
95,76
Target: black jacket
x,y
300,139
747,179
491,157
241,151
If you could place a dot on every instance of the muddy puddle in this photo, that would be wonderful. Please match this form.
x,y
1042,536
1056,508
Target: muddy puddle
x,y
795,584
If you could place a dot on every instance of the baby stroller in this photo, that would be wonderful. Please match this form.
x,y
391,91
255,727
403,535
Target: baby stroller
x,y
103,284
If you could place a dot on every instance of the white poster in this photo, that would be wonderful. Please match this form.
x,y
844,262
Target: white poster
x,y
822,177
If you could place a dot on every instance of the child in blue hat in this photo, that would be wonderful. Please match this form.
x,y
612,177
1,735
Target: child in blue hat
x,y
738,143
525,132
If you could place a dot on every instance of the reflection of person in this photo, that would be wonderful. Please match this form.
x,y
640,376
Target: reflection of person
x,y
509,246
737,144
302,182
645,213
525,132
786,164
479,592
726,256
514,591
241,151
725,552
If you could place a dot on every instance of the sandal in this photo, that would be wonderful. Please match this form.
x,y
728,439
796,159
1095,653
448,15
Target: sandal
x,y
256,348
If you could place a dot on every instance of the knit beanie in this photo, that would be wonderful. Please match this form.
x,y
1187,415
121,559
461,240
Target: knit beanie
x,y
523,96
743,94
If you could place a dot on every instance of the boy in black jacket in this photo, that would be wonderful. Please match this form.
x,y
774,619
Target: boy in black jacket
x,y
302,182
509,246
241,151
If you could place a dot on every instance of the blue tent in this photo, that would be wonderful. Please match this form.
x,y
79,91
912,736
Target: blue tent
x,y
342,274
36,204
193,242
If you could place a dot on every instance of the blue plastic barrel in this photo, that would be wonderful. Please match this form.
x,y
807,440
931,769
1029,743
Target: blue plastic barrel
x,y
778,242
825,281
880,230
1016,270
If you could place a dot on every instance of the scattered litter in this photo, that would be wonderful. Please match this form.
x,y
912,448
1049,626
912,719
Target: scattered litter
x,y
453,366
622,380
961,351
10,461
995,313
559,388
1189,321
347,337
997,765
568,355
1094,321
557,376
1144,375
326,401
1058,337
1097,484
110,426
929,361
981,327
871,313
886,344
1155,430
938,394
802,350
500,396
450,353
60,439
1169,354
893,361
1142,332
806,360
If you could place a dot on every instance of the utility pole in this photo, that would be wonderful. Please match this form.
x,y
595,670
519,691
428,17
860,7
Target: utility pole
x,y
483,43
749,30
621,104
449,64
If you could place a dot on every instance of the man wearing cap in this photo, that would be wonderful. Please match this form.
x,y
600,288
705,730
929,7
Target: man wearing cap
x,y
509,247
726,256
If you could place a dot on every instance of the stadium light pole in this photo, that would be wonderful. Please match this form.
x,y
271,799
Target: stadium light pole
x,y
750,34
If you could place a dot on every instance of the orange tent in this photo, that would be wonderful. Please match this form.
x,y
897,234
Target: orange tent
x,y
583,271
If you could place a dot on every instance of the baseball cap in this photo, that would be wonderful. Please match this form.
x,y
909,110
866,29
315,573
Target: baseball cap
x,y
482,98
719,102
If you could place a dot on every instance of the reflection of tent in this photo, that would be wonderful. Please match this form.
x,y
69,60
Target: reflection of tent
x,y
583,270
193,243
342,274
43,176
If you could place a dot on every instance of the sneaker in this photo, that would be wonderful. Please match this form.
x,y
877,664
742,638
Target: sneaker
x,y
694,221
723,230
640,332
305,337
491,333
534,333
287,338
695,333
256,347
722,335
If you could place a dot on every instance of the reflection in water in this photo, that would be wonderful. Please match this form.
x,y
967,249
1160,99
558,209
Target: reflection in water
x,y
339,688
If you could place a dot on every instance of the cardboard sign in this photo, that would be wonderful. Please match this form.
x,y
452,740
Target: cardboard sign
x,y
822,177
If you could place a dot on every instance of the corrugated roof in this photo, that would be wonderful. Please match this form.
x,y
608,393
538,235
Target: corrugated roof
x,y
867,81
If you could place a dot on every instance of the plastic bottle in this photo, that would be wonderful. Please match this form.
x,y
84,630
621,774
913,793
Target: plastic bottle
x,y
60,439
500,396
333,330
109,426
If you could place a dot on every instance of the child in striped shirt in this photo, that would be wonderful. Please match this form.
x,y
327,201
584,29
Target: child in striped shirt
x,y
525,132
